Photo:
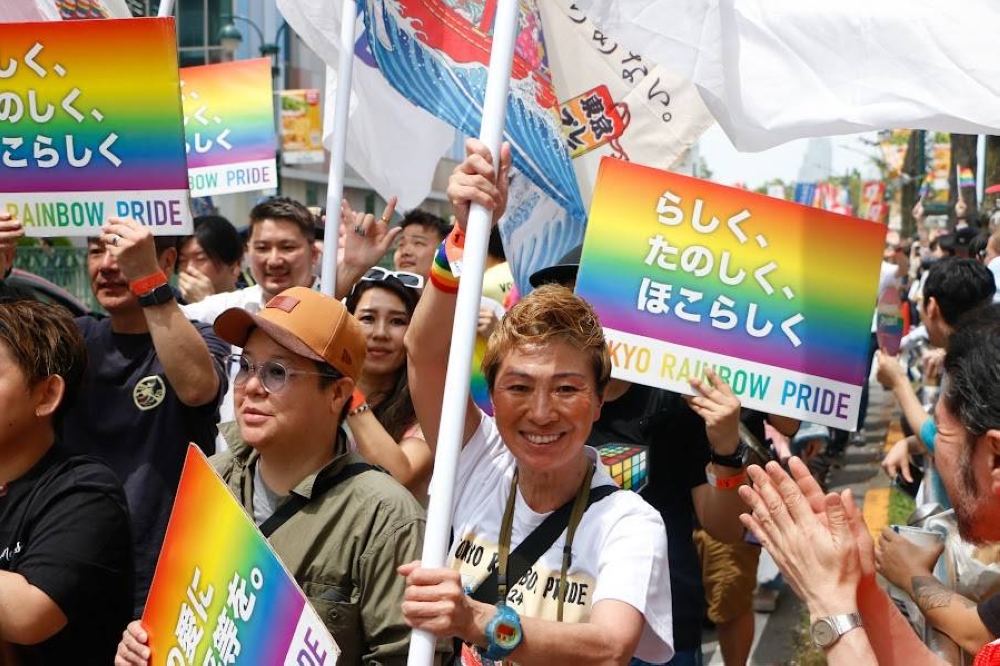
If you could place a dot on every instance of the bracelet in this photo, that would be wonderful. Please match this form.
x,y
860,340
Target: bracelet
x,y
441,275
360,409
358,399
147,284
724,482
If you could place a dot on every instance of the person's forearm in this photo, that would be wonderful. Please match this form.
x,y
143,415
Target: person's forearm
x,y
378,447
892,639
910,404
949,612
548,643
428,340
719,510
27,615
189,366
348,276
851,649
786,425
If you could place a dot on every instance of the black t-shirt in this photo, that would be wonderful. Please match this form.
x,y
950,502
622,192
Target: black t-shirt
x,y
989,613
128,415
678,454
64,526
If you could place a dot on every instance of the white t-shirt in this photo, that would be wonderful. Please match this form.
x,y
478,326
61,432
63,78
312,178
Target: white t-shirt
x,y
619,550
209,309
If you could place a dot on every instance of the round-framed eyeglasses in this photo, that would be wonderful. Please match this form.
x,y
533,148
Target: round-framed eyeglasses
x,y
272,375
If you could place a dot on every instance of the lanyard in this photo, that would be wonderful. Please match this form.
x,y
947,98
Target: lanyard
x,y
506,527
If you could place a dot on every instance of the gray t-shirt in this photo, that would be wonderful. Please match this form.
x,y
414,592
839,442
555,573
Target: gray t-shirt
x,y
265,500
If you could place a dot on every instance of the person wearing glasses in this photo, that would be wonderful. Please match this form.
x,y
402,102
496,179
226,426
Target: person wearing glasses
x,y
353,524
384,429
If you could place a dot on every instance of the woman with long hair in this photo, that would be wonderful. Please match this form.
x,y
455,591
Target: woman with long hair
x,y
384,429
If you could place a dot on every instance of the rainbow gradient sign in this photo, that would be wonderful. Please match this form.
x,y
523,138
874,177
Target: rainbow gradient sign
x,y
229,127
777,298
91,126
220,595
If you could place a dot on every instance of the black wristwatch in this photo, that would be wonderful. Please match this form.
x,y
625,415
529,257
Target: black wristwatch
x,y
158,296
736,459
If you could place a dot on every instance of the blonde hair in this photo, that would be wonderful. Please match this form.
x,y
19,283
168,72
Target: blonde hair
x,y
549,313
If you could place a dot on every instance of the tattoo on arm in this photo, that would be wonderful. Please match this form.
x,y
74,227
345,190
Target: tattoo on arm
x,y
929,593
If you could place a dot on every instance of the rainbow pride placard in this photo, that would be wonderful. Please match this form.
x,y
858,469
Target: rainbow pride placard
x,y
220,595
229,127
776,297
91,126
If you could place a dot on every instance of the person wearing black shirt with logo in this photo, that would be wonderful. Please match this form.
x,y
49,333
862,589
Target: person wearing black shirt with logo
x,y
65,546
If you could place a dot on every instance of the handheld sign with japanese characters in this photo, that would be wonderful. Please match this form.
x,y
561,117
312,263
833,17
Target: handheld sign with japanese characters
x,y
91,126
688,275
229,123
220,594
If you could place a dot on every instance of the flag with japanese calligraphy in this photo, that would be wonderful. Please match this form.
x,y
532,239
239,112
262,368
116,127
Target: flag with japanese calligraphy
x,y
392,144
88,134
229,127
776,70
220,595
436,53
776,297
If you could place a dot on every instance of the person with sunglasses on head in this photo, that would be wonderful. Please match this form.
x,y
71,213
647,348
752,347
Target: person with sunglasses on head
x,y
384,429
339,525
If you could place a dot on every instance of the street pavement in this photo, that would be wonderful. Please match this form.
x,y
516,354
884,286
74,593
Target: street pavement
x,y
775,634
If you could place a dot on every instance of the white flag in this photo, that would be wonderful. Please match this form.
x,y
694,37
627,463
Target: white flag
x,y
392,144
775,70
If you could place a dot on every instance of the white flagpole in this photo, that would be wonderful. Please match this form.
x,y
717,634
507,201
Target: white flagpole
x,y
338,148
166,9
463,335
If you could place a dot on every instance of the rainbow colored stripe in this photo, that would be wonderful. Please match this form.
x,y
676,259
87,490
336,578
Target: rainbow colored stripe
x,y
209,530
231,100
828,263
125,72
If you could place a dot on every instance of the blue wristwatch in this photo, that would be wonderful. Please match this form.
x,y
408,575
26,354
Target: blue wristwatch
x,y
503,633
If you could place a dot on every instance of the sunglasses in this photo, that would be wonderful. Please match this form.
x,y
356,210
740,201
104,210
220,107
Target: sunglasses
x,y
272,375
411,280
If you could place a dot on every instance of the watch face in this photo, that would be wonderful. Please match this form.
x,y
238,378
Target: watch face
x,y
823,633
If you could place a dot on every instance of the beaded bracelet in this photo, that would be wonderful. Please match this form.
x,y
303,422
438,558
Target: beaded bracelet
x,y
360,409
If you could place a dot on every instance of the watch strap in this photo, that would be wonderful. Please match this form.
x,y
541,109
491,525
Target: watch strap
x,y
145,285
736,459
158,296
838,626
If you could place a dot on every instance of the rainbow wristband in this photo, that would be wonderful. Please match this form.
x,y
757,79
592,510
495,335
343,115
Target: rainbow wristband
x,y
441,275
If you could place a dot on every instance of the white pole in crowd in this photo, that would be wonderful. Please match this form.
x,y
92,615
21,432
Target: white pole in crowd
x,y
338,148
463,335
166,9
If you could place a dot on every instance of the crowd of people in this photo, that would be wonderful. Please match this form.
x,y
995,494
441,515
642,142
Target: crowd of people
x,y
322,414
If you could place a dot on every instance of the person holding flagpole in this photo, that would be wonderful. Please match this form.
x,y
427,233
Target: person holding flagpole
x,y
549,564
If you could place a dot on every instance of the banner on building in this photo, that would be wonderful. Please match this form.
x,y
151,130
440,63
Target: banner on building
x,y
89,134
775,297
229,123
873,205
301,127
220,594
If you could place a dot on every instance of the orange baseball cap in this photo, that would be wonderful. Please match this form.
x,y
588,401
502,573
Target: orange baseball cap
x,y
306,322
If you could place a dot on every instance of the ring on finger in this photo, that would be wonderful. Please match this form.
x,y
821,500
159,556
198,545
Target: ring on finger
x,y
386,219
358,230
114,240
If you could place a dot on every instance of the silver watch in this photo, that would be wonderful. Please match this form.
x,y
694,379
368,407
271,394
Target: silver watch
x,y
827,630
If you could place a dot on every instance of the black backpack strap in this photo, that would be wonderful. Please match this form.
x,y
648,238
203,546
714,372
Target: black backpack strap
x,y
535,545
294,503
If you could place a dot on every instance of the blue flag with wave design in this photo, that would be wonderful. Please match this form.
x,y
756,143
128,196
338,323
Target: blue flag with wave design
x,y
436,54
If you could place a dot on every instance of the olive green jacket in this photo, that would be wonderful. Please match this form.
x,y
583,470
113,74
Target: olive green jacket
x,y
343,549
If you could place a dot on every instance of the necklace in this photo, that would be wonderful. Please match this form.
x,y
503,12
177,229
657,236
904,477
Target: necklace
x,y
507,525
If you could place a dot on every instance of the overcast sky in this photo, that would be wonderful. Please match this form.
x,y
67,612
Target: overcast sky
x,y
753,169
